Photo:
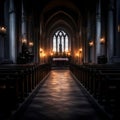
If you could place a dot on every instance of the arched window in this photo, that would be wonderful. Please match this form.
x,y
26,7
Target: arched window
x,y
60,41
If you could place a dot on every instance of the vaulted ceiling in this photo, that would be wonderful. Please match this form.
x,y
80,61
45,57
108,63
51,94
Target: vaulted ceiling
x,y
61,13
46,5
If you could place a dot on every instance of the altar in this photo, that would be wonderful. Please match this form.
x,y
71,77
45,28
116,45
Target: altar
x,y
60,61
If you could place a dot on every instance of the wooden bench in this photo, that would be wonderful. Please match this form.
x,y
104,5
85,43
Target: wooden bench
x,y
103,82
17,81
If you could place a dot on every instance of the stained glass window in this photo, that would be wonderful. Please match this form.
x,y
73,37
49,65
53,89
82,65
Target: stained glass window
x,y
60,41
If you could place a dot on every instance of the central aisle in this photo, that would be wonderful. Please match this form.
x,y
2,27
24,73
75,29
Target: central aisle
x,y
59,98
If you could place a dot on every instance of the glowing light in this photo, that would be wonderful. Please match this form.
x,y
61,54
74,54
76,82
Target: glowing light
x,y
77,54
51,53
41,50
30,44
102,40
2,30
91,43
80,50
24,40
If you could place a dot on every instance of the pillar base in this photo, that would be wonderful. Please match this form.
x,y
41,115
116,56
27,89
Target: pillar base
x,y
102,59
115,59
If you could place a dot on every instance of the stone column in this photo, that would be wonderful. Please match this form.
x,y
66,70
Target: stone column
x,y
102,49
110,40
116,58
1,47
88,34
23,24
1,35
91,54
98,29
12,32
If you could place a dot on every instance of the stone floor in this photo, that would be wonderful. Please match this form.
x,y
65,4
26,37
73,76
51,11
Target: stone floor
x,y
59,98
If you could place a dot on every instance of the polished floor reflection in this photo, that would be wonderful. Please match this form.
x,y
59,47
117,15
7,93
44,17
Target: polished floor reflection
x,y
60,98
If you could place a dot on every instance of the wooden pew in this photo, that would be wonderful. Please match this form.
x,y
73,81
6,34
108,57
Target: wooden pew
x,y
106,87
15,83
18,81
103,82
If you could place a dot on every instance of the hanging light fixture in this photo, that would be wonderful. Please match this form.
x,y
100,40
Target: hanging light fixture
x,y
91,43
3,30
80,50
24,41
102,40
31,44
